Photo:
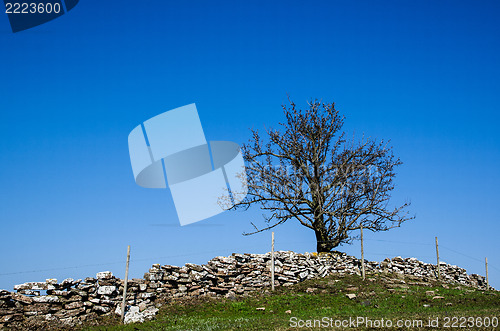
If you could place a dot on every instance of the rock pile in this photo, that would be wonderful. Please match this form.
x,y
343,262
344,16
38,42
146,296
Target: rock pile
x,y
449,273
75,301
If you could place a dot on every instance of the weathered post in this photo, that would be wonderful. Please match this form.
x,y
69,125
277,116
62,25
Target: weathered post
x,y
272,261
437,255
124,300
486,265
362,254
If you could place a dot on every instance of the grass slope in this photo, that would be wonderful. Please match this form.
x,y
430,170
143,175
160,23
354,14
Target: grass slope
x,y
381,296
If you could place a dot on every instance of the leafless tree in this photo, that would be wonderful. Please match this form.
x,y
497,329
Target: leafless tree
x,y
308,171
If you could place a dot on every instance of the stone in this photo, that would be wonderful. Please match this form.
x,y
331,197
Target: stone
x,y
147,295
46,299
50,317
195,267
104,275
430,293
31,286
118,309
150,312
8,311
75,298
142,306
22,298
60,293
128,309
11,318
67,281
71,313
288,311
106,290
437,297
133,317
31,313
74,305
101,309
351,295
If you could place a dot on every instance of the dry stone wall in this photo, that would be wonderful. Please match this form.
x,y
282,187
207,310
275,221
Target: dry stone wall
x,y
72,302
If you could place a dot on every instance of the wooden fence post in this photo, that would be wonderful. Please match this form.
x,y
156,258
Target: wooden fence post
x,y
124,300
437,255
272,261
362,254
487,282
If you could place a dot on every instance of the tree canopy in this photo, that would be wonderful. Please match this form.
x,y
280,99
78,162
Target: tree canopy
x,y
306,170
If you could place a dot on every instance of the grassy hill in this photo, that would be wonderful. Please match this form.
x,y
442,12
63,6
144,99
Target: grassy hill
x,y
382,300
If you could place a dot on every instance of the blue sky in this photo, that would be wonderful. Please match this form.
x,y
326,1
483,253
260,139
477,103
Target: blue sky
x,y
423,74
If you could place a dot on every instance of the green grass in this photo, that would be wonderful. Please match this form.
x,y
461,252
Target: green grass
x,y
374,301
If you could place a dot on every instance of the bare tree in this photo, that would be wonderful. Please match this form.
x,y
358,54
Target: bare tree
x,y
308,171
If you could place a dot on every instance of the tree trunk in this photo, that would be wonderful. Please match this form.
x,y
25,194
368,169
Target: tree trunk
x,y
323,243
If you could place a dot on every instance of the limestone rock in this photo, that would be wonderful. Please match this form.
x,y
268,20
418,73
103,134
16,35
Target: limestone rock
x,y
46,299
133,314
21,298
107,290
104,275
